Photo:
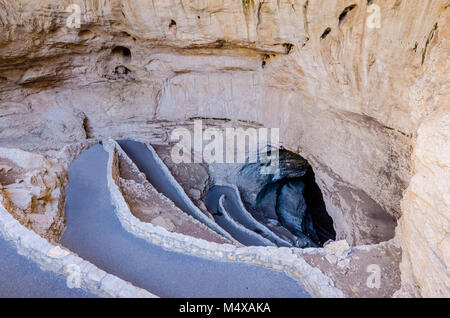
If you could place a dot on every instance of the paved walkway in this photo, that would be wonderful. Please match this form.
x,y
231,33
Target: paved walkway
x,y
226,221
21,277
234,207
95,233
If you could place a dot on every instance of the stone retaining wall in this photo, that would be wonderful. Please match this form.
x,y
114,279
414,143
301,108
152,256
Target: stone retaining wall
x,y
198,214
256,224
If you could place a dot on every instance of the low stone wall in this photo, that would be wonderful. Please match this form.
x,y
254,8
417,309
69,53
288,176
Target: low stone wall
x,y
198,214
240,227
256,224
63,262
282,259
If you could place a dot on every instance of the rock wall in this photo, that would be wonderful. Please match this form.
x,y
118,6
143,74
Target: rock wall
x,y
348,97
425,224
32,188
426,203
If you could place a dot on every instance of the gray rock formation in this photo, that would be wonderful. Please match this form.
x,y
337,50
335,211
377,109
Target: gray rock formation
x,y
277,200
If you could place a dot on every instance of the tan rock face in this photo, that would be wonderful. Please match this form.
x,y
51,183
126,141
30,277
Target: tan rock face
x,y
32,190
348,96
426,207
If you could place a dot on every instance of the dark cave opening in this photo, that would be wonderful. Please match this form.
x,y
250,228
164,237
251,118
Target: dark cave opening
x,y
289,202
322,222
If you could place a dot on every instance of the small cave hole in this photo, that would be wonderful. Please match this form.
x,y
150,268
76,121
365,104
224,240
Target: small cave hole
x,y
172,23
220,43
122,51
305,42
123,72
85,33
265,59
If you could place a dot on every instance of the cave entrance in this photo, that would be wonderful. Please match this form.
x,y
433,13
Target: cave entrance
x,y
321,220
288,202
263,189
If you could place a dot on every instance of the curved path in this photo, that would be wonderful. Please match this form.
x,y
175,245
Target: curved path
x,y
21,277
94,232
239,232
236,210
160,177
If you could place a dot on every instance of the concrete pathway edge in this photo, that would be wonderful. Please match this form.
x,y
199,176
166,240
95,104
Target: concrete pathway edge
x,y
250,217
54,258
135,169
282,259
239,227
196,211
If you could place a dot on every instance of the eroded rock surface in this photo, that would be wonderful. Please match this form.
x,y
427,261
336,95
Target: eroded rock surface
x,y
425,225
347,97
32,190
363,271
33,187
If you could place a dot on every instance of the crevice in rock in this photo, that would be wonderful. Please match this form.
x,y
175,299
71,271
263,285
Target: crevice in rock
x,y
345,12
85,34
427,43
325,33
305,17
86,127
288,47
258,15
265,58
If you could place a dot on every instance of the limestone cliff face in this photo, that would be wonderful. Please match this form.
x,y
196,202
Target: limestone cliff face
x,y
426,203
348,96
425,223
